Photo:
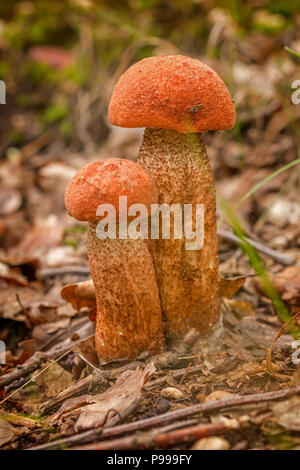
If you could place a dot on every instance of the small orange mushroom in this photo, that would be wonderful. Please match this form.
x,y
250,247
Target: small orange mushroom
x,y
128,306
176,98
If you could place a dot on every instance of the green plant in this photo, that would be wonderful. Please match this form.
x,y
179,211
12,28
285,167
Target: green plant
x,y
260,269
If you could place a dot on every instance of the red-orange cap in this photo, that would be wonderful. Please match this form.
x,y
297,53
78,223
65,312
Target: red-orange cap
x,y
102,182
172,92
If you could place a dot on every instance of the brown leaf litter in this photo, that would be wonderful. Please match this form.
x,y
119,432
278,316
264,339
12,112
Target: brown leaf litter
x,y
95,410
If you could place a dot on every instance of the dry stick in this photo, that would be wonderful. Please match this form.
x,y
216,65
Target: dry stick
x,y
93,434
287,260
159,438
30,149
36,375
187,371
176,374
60,337
12,386
51,272
23,371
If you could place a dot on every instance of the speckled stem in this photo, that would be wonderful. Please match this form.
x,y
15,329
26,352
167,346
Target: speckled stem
x,y
128,307
188,280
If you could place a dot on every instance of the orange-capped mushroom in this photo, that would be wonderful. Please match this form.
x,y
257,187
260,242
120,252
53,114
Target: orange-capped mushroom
x,y
176,98
128,306
172,92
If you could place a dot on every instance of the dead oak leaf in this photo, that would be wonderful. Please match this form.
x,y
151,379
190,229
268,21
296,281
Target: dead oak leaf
x,y
80,295
240,307
43,235
12,276
229,287
118,398
7,432
15,300
54,379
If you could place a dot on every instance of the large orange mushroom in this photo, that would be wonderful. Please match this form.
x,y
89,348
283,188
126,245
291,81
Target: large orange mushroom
x,y
128,307
176,98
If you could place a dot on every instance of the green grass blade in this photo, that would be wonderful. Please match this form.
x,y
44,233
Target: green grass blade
x,y
258,265
291,51
266,180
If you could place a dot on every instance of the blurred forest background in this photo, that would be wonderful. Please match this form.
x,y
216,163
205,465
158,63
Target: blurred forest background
x,y
61,59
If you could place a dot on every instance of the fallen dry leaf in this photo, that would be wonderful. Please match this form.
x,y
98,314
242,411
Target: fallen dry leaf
x,y
54,379
117,398
14,300
229,287
287,414
59,256
7,432
80,295
96,410
12,275
240,307
45,234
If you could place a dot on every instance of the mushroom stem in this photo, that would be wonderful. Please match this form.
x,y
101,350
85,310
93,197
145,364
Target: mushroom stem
x,y
187,279
128,306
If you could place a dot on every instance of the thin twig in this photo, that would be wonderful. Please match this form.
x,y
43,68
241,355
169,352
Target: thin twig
x,y
183,413
35,362
159,438
286,260
20,303
52,272
35,376
176,374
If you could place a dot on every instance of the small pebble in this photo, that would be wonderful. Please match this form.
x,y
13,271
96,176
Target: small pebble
x,y
171,393
218,395
177,406
165,360
211,443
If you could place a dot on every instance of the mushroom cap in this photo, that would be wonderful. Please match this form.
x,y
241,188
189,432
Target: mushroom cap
x,y
172,92
102,182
